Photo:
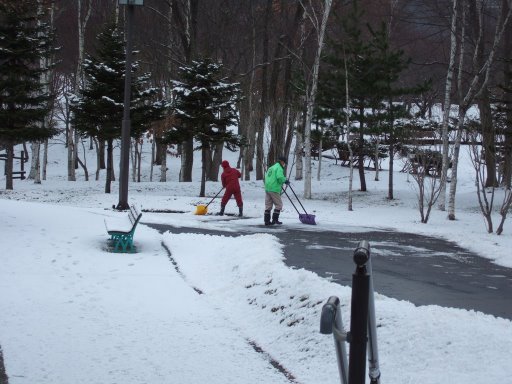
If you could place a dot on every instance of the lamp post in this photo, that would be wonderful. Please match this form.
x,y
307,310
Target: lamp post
x,y
126,126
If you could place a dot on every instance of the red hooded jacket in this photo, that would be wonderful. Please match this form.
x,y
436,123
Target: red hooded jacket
x,y
229,180
230,177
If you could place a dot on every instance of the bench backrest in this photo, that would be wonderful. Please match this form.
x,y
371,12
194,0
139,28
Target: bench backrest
x,y
134,216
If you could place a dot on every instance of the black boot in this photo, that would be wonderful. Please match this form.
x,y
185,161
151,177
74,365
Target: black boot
x,y
221,213
267,218
240,211
275,217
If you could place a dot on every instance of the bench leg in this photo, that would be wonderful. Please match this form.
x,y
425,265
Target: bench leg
x,y
124,243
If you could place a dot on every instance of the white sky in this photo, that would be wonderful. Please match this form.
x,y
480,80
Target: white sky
x,y
71,312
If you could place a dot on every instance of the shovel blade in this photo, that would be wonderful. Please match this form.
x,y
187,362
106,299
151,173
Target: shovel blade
x,y
306,218
201,210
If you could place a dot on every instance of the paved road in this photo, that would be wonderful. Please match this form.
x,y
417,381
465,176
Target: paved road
x,y
420,269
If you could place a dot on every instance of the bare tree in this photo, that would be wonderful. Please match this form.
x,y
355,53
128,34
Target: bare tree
x,y
312,85
478,83
484,201
505,207
424,164
506,181
447,107
83,16
349,145
47,75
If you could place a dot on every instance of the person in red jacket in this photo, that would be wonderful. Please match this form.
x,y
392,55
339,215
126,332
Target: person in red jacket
x,y
229,180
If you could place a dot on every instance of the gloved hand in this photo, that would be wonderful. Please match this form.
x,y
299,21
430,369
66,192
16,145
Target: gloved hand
x,y
287,182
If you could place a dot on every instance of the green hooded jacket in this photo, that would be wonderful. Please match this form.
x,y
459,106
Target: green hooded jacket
x,y
275,178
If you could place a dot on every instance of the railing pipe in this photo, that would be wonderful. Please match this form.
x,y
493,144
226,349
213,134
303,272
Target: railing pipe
x,y
373,352
331,322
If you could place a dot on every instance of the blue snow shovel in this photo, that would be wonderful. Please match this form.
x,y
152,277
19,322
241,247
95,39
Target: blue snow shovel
x,y
305,218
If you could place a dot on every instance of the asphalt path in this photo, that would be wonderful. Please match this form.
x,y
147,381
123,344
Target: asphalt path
x,y
419,269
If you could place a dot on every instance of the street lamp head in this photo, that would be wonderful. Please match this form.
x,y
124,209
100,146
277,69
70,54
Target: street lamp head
x,y
131,2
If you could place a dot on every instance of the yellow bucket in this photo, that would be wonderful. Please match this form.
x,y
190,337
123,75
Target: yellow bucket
x,y
201,210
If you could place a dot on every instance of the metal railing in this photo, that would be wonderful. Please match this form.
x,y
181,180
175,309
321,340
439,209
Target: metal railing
x,y
362,336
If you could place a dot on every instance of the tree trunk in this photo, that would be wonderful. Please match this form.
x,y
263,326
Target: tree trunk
x,y
187,160
507,74
108,179
71,156
260,154
455,163
319,170
101,154
310,99
484,103
391,165
72,136
45,158
446,109
292,120
477,84
349,146
163,162
360,165
139,162
488,138
35,168
298,156
152,166
377,159
158,155
276,108
203,172
250,130
215,162
134,150
9,148
505,207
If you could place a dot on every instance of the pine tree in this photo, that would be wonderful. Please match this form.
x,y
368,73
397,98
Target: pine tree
x,y
98,110
353,57
388,65
23,100
205,105
373,69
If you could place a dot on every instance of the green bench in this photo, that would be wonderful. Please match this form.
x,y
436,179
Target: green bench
x,y
121,236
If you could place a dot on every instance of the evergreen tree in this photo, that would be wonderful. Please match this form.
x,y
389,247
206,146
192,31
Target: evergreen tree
x,y
98,110
388,65
373,71
23,100
205,105
353,56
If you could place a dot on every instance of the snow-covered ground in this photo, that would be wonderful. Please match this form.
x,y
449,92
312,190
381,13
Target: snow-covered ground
x,y
71,312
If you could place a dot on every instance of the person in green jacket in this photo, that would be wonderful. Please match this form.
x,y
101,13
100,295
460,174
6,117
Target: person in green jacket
x,y
274,180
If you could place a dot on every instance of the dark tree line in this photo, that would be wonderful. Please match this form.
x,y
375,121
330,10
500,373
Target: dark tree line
x,y
268,47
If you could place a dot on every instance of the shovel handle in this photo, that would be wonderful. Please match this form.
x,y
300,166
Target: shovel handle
x,y
288,196
214,197
298,199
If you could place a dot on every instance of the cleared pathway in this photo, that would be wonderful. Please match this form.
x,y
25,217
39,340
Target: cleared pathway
x,y
420,269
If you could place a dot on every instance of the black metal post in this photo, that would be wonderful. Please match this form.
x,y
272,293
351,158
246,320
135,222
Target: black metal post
x,y
359,319
125,134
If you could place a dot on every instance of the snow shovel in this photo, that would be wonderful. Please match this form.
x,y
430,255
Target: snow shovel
x,y
203,209
305,218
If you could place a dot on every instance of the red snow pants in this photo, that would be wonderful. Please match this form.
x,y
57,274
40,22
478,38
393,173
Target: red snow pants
x,y
230,192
